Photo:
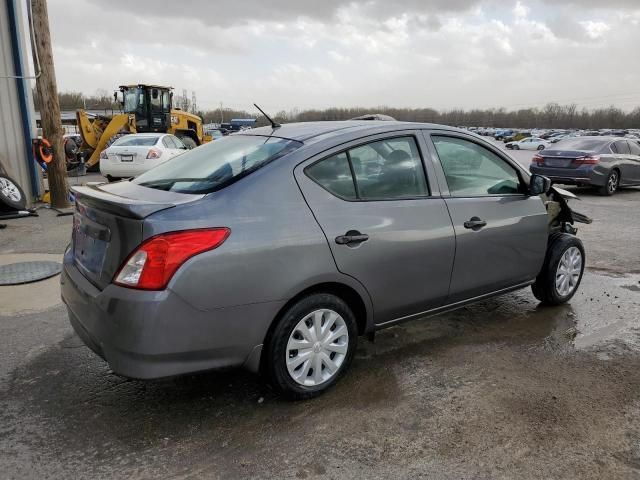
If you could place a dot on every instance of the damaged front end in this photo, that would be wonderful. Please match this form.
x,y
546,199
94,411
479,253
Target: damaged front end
x,y
561,216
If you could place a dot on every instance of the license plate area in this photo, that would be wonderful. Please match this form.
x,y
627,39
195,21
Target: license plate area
x,y
90,241
126,158
557,162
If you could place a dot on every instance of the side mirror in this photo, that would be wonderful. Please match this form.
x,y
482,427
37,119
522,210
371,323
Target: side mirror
x,y
539,184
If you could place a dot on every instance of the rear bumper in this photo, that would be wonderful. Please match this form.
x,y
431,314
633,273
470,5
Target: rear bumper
x,y
584,175
148,334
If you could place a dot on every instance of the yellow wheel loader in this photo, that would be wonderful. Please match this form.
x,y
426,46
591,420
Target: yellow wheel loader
x,y
145,108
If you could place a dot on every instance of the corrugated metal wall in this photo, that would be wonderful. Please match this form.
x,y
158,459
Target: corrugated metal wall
x,y
13,151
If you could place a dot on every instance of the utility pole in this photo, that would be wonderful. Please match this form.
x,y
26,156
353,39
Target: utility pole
x,y
221,115
49,107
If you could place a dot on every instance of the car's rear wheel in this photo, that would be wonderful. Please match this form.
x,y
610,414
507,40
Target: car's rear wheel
x,y
516,147
612,184
311,346
562,270
540,147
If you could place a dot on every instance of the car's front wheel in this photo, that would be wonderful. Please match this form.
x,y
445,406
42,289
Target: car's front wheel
x,y
311,346
562,270
516,147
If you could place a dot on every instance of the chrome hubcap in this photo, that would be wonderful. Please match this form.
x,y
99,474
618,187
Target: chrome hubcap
x,y
612,184
317,347
568,272
9,190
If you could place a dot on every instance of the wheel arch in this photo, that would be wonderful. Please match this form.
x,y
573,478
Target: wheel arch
x,y
359,306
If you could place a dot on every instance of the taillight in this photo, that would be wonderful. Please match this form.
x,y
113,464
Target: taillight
x,y
538,159
152,264
587,160
154,153
103,155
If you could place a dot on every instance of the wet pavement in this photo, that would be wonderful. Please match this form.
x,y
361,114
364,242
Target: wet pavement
x,y
502,389
488,391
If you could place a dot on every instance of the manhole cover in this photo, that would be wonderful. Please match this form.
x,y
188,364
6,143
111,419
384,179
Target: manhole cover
x,y
27,272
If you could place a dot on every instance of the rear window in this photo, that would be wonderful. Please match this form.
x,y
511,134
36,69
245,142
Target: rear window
x,y
217,164
577,143
133,141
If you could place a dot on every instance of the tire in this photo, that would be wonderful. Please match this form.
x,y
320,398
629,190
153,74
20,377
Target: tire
x,y
111,179
611,185
562,250
189,142
516,147
11,195
293,326
540,147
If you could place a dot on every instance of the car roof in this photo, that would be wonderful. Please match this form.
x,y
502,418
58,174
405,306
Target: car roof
x,y
307,132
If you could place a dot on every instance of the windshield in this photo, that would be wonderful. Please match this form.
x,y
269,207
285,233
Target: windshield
x,y
217,164
577,143
132,98
135,141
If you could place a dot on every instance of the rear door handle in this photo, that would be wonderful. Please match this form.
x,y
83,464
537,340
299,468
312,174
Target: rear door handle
x,y
352,237
474,223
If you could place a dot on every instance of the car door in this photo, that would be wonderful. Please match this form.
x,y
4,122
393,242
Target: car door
x,y
168,147
178,147
634,159
624,161
501,232
385,222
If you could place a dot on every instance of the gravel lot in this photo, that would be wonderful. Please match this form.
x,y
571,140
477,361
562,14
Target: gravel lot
x,y
503,389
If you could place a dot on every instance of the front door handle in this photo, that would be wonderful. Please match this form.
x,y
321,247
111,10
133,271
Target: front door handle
x,y
352,237
474,223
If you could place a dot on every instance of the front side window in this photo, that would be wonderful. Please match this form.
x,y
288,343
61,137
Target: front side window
x,y
473,170
215,165
384,170
132,98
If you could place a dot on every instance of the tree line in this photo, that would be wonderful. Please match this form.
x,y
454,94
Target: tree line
x,y
552,115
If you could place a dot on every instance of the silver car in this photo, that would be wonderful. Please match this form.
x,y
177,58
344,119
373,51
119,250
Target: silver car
x,y
276,248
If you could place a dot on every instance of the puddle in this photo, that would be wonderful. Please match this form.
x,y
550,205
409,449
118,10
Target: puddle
x,y
603,316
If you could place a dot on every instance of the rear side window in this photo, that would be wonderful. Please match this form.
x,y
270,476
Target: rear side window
x,y
634,148
384,170
215,165
334,174
621,147
473,170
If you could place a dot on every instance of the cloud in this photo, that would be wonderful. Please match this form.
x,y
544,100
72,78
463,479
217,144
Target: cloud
x,y
286,53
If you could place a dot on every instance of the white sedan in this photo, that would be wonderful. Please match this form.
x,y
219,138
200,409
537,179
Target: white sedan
x,y
133,154
531,143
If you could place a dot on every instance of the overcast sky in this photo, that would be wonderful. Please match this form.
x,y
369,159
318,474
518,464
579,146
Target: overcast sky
x,y
283,54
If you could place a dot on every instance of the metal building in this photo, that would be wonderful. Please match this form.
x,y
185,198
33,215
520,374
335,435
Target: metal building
x,y
17,116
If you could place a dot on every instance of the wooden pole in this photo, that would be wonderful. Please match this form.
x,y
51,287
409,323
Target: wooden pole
x,y
50,118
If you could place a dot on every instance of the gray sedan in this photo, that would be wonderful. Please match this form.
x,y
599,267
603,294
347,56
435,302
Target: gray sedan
x,y
276,248
603,162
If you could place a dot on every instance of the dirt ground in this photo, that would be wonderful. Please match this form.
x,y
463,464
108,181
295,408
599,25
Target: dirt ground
x,y
502,389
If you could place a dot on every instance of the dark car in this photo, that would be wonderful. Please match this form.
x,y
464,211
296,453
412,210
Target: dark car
x,y
276,248
604,162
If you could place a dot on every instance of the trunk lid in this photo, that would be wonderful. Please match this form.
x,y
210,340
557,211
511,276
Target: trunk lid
x,y
108,224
